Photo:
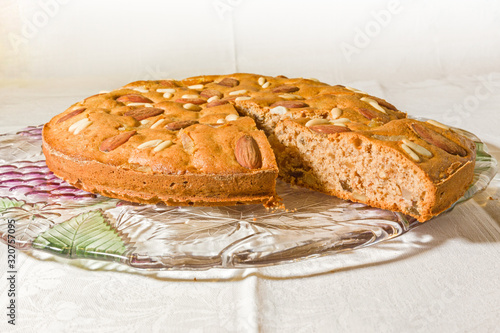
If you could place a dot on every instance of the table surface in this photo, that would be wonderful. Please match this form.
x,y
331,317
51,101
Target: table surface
x,y
441,276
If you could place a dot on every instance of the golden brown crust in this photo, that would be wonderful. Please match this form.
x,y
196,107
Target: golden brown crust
x,y
170,131
172,189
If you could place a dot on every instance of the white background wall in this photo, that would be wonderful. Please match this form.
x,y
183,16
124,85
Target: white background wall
x,y
113,42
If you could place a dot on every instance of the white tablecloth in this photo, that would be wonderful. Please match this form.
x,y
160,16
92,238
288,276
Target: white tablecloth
x,y
443,276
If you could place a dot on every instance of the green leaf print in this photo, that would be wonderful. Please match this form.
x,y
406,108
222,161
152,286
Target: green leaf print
x,y
87,235
8,203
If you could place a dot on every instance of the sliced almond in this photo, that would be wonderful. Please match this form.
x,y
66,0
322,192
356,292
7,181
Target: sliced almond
x,y
213,98
335,113
73,127
261,80
290,96
80,125
191,107
166,90
266,85
373,103
190,96
279,110
317,121
438,124
238,92
232,117
196,87
243,98
355,90
140,89
157,123
417,148
163,145
410,152
149,144
187,143
247,152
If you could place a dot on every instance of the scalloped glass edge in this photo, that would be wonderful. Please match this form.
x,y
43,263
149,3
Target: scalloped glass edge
x,y
193,238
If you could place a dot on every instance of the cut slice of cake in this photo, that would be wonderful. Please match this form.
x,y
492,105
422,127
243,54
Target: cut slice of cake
x,y
393,166
346,143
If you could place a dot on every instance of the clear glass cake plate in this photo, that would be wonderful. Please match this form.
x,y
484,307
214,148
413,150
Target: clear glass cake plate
x,y
55,218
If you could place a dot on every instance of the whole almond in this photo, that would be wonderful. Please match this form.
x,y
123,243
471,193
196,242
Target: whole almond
x,y
71,115
329,129
134,99
229,82
290,104
196,101
210,93
115,141
217,103
285,89
368,114
168,83
436,139
143,113
386,104
177,125
247,152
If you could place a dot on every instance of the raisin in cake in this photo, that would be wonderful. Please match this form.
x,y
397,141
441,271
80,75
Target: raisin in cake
x,y
195,142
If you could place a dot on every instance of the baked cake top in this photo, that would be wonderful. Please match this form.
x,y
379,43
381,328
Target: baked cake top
x,y
192,125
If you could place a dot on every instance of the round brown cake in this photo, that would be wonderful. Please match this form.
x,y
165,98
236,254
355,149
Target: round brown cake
x,y
222,139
